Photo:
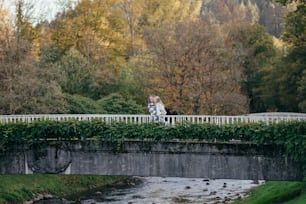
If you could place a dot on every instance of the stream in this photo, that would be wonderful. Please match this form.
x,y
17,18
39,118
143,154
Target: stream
x,y
168,190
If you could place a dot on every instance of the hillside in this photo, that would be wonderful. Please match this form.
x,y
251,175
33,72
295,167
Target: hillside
x,y
267,13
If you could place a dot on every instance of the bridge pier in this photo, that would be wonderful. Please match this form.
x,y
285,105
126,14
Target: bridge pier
x,y
155,158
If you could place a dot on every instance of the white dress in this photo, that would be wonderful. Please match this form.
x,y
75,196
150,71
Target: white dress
x,y
160,112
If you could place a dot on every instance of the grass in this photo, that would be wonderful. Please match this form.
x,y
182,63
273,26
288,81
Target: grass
x,y
299,200
277,192
19,188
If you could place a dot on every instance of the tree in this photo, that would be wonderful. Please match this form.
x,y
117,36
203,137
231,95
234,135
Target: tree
x,y
231,12
190,69
96,30
157,13
141,15
255,54
23,86
284,2
131,11
291,80
74,74
302,93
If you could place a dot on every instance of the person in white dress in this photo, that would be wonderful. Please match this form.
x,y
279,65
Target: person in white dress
x,y
160,110
152,108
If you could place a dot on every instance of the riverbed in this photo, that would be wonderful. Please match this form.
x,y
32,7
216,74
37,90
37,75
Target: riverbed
x,y
168,190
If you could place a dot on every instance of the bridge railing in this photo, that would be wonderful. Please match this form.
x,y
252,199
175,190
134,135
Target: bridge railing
x,y
170,119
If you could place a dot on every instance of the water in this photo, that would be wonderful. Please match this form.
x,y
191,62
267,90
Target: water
x,y
169,190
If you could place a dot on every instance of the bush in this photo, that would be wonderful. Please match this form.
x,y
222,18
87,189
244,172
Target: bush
x,y
80,104
117,104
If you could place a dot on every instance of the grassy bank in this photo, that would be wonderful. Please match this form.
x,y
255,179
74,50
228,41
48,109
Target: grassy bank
x,y
19,188
277,192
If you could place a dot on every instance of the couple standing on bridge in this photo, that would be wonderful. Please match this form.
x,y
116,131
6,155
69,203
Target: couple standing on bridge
x,y
157,109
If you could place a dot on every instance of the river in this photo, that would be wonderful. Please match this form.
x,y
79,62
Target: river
x,y
168,190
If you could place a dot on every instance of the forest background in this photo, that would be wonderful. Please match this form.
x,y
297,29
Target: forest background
x,y
220,57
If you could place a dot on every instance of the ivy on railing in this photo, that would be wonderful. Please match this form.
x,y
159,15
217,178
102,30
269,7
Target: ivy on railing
x,y
289,135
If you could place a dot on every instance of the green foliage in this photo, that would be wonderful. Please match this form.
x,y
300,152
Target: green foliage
x,y
295,26
80,104
19,188
284,2
117,104
112,104
290,77
298,200
259,57
50,54
75,74
273,192
302,92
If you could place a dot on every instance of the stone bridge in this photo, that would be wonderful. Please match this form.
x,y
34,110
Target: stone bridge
x,y
233,160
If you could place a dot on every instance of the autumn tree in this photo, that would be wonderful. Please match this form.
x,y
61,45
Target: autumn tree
x,y
231,11
158,12
6,34
23,88
191,72
131,12
152,15
96,30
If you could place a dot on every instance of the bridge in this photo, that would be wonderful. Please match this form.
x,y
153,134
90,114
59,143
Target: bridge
x,y
273,117
227,160
154,158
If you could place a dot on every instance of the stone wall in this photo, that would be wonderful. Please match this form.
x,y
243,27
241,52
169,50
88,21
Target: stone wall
x,y
151,158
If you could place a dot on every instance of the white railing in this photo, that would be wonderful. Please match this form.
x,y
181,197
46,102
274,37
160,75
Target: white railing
x,y
170,119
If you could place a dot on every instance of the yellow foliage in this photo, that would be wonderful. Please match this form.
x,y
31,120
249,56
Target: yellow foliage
x,y
278,43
